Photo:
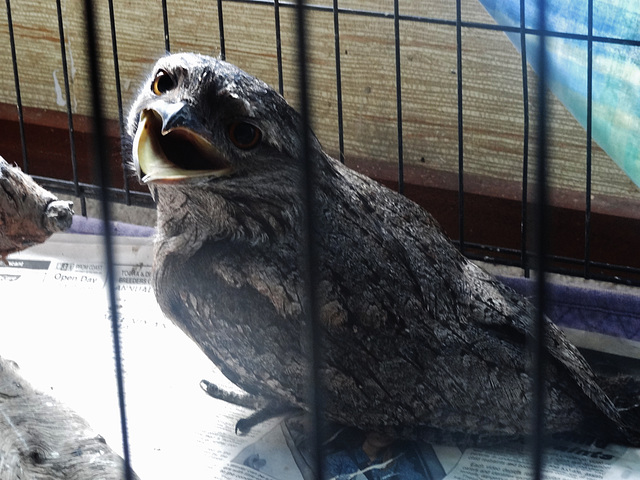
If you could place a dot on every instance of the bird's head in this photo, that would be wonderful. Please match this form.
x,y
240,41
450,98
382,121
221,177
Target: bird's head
x,y
200,120
220,150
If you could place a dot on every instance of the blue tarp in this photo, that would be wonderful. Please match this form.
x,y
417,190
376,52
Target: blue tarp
x,y
616,66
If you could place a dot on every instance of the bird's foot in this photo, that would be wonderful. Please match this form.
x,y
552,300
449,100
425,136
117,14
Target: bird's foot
x,y
264,409
242,400
271,410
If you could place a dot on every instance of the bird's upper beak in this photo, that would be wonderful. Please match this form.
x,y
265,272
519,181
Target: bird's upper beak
x,y
170,145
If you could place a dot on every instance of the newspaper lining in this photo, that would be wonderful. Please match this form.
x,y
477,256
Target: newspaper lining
x,y
56,327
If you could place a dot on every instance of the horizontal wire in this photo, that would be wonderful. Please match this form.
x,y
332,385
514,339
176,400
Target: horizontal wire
x,y
141,199
452,23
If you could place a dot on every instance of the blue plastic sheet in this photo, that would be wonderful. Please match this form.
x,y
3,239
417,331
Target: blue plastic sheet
x,y
616,66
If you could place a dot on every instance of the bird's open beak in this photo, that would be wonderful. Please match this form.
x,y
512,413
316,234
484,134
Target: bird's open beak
x,y
167,147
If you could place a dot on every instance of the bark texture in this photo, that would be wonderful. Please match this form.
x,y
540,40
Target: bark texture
x,y
29,214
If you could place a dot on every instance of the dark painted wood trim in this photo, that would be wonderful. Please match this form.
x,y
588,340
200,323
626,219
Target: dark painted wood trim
x,y
492,207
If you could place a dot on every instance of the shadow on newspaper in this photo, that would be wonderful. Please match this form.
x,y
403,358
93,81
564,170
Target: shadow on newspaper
x,y
354,455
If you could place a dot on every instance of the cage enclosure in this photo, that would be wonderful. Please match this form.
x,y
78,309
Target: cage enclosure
x,y
436,100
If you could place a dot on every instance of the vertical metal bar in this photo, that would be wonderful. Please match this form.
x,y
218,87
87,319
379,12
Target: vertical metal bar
x,y
72,142
524,258
16,78
460,127
165,21
587,210
276,13
541,243
336,34
116,66
223,53
102,170
396,28
309,250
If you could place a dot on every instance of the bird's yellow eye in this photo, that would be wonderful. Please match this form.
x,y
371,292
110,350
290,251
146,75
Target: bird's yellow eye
x,y
162,83
244,135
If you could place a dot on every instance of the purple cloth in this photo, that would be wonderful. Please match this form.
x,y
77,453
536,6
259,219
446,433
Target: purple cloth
x,y
95,226
609,313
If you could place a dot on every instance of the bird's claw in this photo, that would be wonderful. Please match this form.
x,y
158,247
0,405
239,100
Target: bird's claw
x,y
244,426
271,410
210,389
242,400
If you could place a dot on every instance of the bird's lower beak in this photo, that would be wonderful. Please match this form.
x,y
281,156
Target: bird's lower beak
x,y
167,147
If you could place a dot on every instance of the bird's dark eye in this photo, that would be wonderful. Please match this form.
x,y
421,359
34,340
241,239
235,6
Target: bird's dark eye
x,y
244,135
162,83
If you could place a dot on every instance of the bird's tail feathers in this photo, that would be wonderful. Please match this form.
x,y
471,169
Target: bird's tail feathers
x,y
624,392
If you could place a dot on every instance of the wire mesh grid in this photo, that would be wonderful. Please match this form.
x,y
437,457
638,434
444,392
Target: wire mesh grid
x,y
573,264
535,231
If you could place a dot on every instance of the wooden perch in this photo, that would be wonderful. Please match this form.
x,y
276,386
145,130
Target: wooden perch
x,y
42,439
29,214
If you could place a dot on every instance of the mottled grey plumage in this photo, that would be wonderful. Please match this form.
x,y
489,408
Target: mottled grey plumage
x,y
419,341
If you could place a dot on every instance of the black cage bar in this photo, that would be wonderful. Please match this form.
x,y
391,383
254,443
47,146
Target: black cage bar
x,y
584,265
536,233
